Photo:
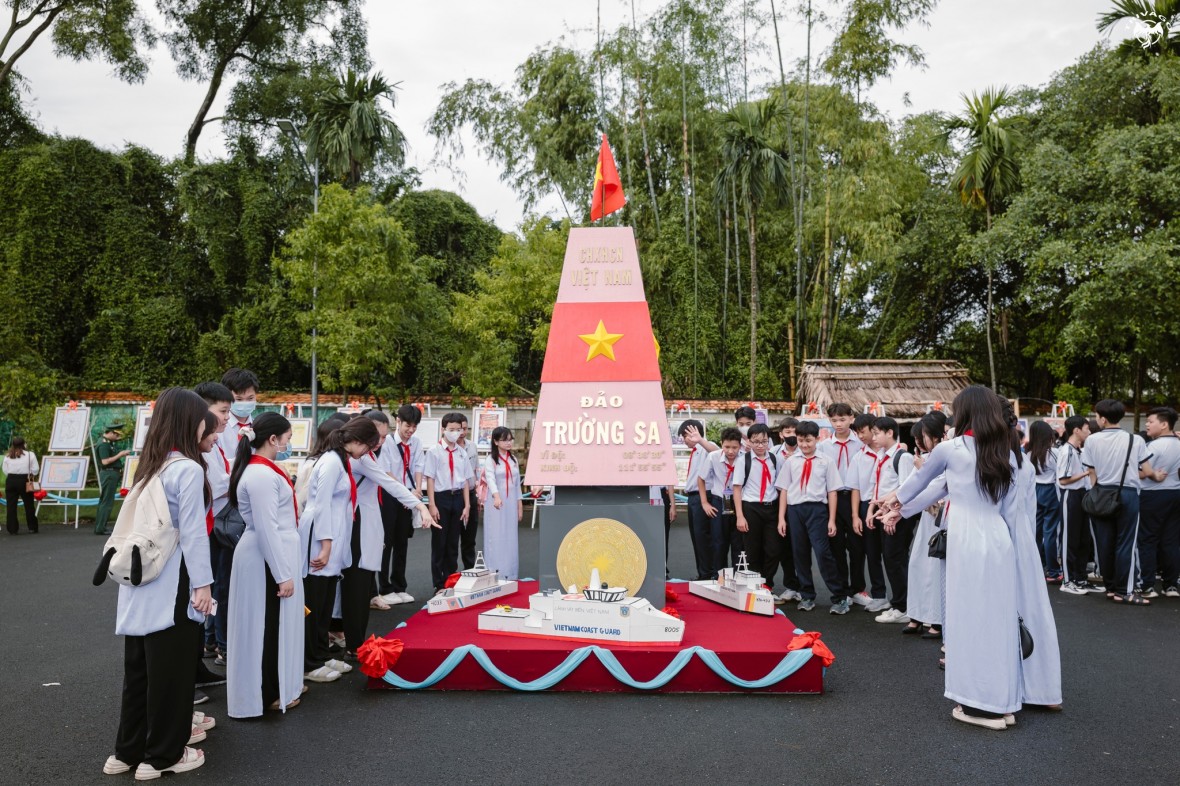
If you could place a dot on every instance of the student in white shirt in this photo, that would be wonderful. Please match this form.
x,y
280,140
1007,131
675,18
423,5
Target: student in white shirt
x,y
699,529
715,485
1073,480
447,474
1041,453
20,466
471,524
756,503
894,465
862,478
808,482
1115,457
406,457
848,546
219,398
1159,507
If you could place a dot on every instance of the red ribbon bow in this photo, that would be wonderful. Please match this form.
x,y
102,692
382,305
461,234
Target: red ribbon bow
x,y
812,408
811,640
421,407
123,492
71,404
670,596
938,406
680,407
377,656
40,494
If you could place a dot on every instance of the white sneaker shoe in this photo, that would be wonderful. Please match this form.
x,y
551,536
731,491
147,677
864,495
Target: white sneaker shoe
x,y
862,598
406,597
892,615
791,594
338,666
115,767
393,598
877,605
322,674
189,760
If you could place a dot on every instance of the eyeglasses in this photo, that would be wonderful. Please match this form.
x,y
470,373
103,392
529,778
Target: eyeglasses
x,y
760,442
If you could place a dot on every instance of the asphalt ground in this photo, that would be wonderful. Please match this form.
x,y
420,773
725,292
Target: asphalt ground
x,y
883,718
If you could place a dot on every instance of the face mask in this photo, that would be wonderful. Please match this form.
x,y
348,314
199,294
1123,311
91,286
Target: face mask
x,y
452,436
791,441
242,409
283,453
744,429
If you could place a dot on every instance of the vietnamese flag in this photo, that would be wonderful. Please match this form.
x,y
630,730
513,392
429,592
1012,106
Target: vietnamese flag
x,y
608,189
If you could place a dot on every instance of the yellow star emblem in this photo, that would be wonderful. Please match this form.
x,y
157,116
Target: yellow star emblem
x,y
600,342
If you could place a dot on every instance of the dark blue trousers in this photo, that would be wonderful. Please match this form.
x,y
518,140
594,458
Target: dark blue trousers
x,y
717,536
1049,527
1075,535
222,559
808,530
1115,541
874,555
700,532
1159,536
444,542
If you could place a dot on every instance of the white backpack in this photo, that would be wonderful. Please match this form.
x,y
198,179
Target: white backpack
x,y
144,537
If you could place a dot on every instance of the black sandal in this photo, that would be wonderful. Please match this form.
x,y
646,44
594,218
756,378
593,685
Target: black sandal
x,y
1134,599
911,629
931,633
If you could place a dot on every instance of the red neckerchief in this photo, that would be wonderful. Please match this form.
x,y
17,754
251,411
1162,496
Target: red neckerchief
x,y
880,464
405,460
506,459
378,488
728,477
256,459
765,476
351,483
842,453
968,433
451,461
223,458
691,456
805,476
208,521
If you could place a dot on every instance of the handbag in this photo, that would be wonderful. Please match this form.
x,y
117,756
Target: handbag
x,y
1106,502
936,548
481,488
1026,641
228,527
30,484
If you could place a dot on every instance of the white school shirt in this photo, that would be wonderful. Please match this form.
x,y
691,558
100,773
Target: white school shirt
x,y
495,473
472,452
885,480
751,489
822,478
697,460
719,480
1165,455
1105,452
217,469
25,464
842,453
1069,464
438,467
267,504
151,607
397,458
228,439
862,477
1049,473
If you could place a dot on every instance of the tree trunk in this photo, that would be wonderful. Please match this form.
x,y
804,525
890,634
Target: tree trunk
x,y
991,357
198,125
651,188
753,299
791,357
6,66
1138,388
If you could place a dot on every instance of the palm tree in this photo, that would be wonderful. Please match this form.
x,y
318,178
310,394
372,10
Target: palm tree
x,y
1150,22
753,165
988,172
349,127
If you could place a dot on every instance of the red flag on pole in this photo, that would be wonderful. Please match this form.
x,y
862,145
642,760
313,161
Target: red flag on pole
x,y
608,189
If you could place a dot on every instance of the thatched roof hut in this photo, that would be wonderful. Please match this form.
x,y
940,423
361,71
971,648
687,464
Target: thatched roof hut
x,y
906,388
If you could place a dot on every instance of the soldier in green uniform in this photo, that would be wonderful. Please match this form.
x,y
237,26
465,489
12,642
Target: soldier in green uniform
x,y
110,474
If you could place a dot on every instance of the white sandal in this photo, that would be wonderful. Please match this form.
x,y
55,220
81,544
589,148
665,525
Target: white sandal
x,y
379,603
339,666
203,721
190,760
198,735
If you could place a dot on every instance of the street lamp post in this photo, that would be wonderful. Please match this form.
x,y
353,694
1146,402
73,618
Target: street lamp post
x,y
289,128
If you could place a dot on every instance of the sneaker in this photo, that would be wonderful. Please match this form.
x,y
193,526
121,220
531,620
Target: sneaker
x,y
1095,577
1172,592
393,598
806,605
339,666
191,759
1149,593
219,660
1091,587
892,615
779,601
862,598
790,594
1072,588
406,597
839,608
199,697
877,605
324,673
206,678
378,603
115,767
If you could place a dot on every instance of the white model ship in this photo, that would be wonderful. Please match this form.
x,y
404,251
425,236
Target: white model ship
x,y
475,586
599,614
740,588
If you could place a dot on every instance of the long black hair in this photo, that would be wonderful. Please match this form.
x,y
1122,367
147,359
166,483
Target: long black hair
x,y
928,428
1041,438
1015,435
499,433
175,418
321,436
266,425
981,412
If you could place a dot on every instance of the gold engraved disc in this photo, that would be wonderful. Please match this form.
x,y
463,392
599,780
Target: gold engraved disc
x,y
608,545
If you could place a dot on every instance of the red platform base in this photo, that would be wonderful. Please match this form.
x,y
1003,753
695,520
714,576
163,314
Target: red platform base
x,y
750,646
